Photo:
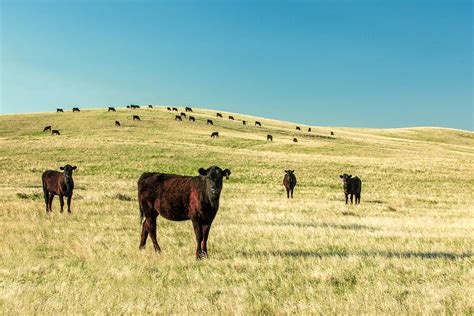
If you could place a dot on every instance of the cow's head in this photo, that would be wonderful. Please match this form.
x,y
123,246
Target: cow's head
x,y
68,170
289,172
345,179
214,176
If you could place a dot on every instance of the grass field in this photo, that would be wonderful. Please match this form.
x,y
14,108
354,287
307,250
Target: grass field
x,y
407,248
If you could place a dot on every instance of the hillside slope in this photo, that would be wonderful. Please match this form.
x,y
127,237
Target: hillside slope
x,y
406,248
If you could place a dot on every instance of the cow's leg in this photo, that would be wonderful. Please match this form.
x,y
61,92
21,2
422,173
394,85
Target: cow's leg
x,y
61,202
144,234
199,238
69,203
352,196
288,193
205,232
291,193
346,197
51,196
46,200
358,198
152,230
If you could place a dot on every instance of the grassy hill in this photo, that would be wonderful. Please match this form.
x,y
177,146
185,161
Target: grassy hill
x,y
407,248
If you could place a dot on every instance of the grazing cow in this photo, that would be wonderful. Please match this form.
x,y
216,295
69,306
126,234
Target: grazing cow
x,y
218,115
136,118
257,123
298,128
150,106
289,181
178,118
188,109
332,133
309,129
168,108
55,132
244,122
76,110
175,109
295,140
209,122
133,106
192,119
270,137
215,134
59,110
183,114
352,186
180,198
47,128
117,123
231,117
111,109
58,183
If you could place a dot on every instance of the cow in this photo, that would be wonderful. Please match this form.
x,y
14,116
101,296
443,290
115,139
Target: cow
x,y
75,110
295,140
133,106
128,106
59,110
188,109
58,183
55,132
150,106
289,181
332,133
47,128
215,134
175,109
257,123
111,109
270,137
183,114
192,119
352,186
180,198
136,118
298,128
209,122
231,117
244,122
309,129
218,115
117,123
168,108
178,118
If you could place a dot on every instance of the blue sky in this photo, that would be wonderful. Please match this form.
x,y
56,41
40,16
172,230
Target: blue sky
x,y
334,63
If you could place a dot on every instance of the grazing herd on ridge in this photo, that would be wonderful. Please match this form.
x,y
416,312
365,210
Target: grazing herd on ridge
x,y
176,197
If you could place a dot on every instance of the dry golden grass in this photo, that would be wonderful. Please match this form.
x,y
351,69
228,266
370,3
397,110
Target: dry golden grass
x,y
407,248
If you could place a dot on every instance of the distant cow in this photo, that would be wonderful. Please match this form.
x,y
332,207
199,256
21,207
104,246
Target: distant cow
x,y
58,183
180,198
309,129
231,117
298,128
192,119
178,118
289,181
183,114
188,109
295,140
352,186
134,106
168,108
47,128
128,106
218,115
59,110
136,118
175,109
332,133
244,122
117,123
270,137
257,123
111,109
215,134
55,132
150,106
209,122
76,110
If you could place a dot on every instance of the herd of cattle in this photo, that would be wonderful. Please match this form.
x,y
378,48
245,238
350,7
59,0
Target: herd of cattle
x,y
175,197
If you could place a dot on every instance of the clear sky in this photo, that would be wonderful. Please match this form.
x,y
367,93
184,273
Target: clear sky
x,y
334,63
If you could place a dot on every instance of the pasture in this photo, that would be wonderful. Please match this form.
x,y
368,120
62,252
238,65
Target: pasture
x,y
407,248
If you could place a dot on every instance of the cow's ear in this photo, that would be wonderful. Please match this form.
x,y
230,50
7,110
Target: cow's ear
x,y
340,176
349,176
61,168
292,171
226,173
74,168
286,171
202,171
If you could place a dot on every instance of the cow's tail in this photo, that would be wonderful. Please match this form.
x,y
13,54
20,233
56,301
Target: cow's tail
x,y
141,213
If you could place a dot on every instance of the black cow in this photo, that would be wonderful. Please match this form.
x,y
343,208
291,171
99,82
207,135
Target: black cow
x,y
178,118
231,117
188,109
136,118
295,140
76,110
150,106
298,128
218,115
209,122
309,129
244,122
270,137
183,114
215,134
168,108
111,109
352,186
59,110
289,181
180,198
257,123
175,109
55,132
192,119
117,123
47,128
58,183
332,133
134,106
